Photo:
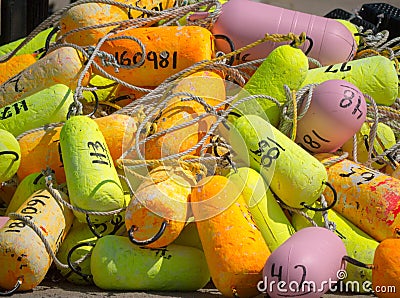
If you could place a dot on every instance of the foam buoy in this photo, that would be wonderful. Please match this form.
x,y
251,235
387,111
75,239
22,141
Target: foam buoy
x,y
375,76
25,189
285,65
72,249
303,264
41,149
92,179
352,28
366,197
244,22
125,95
189,236
15,65
385,139
169,50
359,245
234,247
61,66
171,268
91,14
335,103
53,104
266,212
23,254
10,155
38,42
106,89
205,84
294,175
385,272
157,214
3,221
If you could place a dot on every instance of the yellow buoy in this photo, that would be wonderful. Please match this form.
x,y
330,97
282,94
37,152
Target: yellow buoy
x,y
93,182
10,155
25,189
294,175
23,255
53,104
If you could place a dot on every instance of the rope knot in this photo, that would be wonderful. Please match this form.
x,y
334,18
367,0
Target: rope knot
x,y
107,59
74,109
48,174
298,40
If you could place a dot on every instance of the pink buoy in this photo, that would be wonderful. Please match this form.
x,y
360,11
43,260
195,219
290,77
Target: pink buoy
x,y
308,264
245,21
337,111
3,220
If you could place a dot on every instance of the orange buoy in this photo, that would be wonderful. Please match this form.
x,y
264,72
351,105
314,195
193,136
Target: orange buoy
x,y
386,270
90,14
15,65
234,247
157,213
23,255
169,50
205,84
40,149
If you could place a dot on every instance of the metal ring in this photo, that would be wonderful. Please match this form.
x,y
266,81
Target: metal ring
x,y
327,207
118,223
309,47
122,97
91,227
150,240
36,181
13,290
48,39
96,105
231,45
71,106
10,152
86,277
356,262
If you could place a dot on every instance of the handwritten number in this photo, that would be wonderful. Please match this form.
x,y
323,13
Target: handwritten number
x,y
100,158
136,58
164,59
279,274
152,56
159,60
343,68
268,156
365,176
347,99
313,144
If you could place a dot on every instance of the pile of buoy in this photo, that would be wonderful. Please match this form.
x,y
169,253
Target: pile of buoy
x,y
159,145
